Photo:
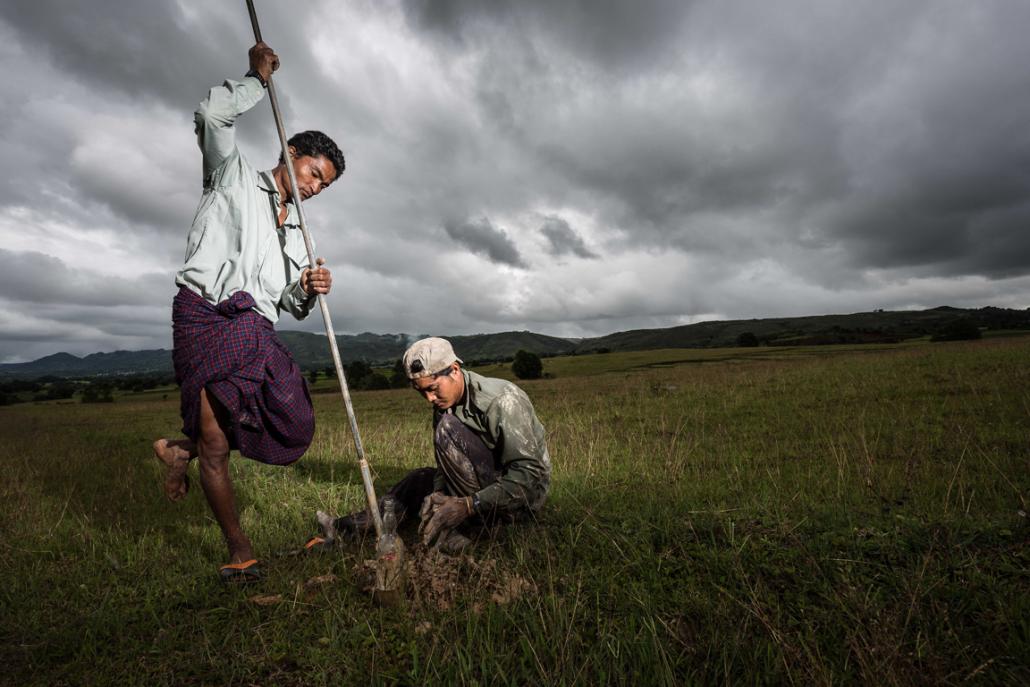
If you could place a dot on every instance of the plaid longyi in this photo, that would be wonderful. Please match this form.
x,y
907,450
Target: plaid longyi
x,y
233,352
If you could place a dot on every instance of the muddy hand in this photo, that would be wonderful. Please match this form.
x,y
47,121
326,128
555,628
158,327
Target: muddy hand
x,y
428,510
451,512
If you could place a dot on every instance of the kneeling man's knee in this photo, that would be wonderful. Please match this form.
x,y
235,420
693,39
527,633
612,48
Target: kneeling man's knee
x,y
448,428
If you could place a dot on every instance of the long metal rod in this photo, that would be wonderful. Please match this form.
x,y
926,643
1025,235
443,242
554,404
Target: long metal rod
x,y
366,475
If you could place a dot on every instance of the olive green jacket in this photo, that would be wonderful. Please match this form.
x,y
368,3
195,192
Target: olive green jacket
x,y
502,415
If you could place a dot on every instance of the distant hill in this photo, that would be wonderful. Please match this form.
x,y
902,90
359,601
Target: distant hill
x,y
312,352
156,361
868,327
492,347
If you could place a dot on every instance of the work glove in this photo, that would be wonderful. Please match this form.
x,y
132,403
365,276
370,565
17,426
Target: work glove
x,y
441,513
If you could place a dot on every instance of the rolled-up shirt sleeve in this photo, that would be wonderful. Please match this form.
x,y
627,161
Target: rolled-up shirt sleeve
x,y
296,301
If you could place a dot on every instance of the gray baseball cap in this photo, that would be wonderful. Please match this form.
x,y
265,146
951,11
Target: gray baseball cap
x,y
426,357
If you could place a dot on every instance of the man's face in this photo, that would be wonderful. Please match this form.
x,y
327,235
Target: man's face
x,y
443,391
314,174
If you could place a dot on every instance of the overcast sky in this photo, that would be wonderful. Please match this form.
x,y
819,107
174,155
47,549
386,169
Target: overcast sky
x,y
572,167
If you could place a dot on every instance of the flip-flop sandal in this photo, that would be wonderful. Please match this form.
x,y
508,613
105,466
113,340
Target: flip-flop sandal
x,y
318,544
246,572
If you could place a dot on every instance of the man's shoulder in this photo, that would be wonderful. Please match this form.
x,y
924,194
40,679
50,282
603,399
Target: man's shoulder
x,y
488,392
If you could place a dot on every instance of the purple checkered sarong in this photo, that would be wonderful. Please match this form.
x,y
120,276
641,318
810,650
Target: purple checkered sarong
x,y
233,352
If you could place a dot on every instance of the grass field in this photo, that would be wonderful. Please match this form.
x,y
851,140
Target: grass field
x,y
826,515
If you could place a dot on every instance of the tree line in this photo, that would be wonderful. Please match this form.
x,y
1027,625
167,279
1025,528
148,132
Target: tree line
x,y
96,390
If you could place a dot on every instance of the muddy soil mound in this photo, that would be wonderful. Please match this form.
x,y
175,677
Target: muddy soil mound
x,y
438,581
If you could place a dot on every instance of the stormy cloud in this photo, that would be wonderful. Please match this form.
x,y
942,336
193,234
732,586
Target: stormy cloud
x,y
563,239
572,168
482,237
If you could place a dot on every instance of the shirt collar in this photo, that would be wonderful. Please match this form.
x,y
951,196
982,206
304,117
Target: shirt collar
x,y
465,402
266,182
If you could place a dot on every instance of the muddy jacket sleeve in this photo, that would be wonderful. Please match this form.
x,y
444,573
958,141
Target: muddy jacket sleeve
x,y
512,422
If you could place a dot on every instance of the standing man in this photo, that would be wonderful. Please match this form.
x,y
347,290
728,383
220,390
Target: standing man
x,y
245,263
491,456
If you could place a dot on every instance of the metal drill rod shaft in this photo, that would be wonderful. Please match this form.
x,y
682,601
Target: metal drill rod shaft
x,y
366,476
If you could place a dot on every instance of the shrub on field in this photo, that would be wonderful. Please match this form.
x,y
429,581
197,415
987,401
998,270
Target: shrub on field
x,y
374,382
137,383
97,393
398,380
56,391
527,365
747,340
14,386
360,376
356,370
962,329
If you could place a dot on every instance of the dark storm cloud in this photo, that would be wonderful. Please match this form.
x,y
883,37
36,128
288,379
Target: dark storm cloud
x,y
149,51
481,237
135,47
162,50
48,306
898,131
650,149
945,180
92,148
80,330
35,278
614,33
785,158
563,239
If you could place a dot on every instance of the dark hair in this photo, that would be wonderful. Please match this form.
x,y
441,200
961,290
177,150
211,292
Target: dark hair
x,y
315,143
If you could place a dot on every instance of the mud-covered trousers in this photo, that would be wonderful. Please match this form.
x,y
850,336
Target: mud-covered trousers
x,y
466,462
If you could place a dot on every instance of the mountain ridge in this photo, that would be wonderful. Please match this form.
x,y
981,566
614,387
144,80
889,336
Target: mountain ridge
x,y
311,351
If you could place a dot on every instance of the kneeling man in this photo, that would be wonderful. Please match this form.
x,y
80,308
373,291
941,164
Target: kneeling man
x,y
491,457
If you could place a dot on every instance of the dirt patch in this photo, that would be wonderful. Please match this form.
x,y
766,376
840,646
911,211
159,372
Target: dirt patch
x,y
265,599
313,587
438,581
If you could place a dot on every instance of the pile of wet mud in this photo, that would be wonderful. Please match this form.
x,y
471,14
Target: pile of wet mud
x,y
434,580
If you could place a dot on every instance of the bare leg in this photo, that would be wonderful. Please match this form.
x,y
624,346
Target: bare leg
x,y
175,454
213,449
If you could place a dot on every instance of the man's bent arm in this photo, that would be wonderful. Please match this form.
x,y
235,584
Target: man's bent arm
x,y
216,119
522,461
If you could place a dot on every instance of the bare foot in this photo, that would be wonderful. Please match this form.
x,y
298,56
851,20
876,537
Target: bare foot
x,y
240,550
177,459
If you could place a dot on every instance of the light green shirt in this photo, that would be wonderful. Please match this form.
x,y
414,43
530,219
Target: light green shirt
x,y
502,415
234,243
